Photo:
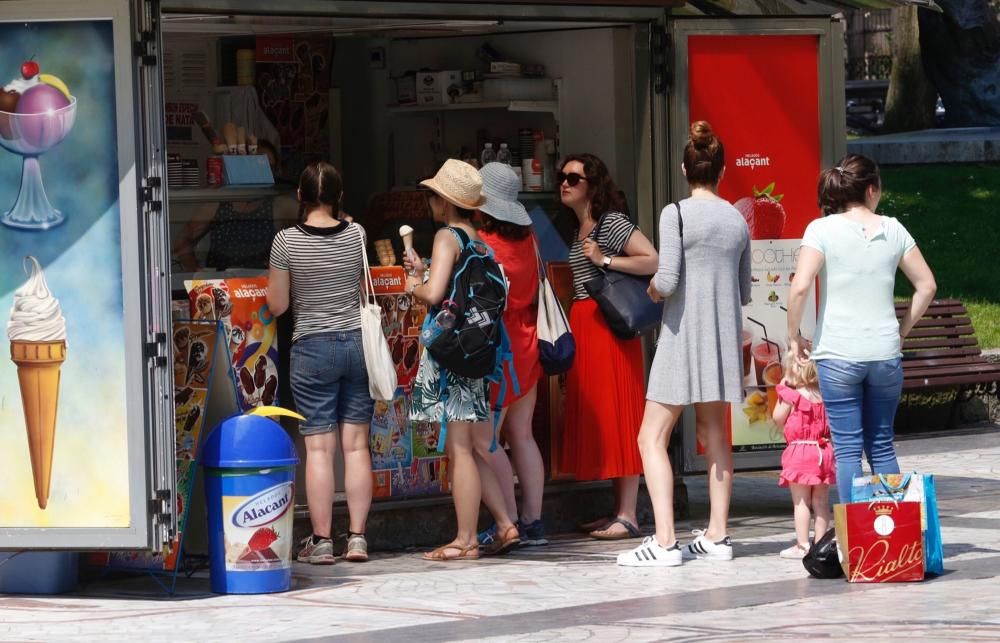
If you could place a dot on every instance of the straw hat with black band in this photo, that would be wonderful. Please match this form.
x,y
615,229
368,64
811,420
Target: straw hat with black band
x,y
458,183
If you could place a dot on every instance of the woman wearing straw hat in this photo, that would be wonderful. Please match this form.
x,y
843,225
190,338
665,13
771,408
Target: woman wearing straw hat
x,y
506,228
455,192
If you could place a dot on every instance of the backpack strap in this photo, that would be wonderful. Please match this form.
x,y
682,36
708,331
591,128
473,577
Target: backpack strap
x,y
463,237
505,356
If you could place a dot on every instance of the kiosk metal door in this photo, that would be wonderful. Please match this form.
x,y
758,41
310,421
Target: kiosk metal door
x,y
86,436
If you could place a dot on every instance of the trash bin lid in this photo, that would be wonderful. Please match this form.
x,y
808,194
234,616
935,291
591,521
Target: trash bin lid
x,y
248,441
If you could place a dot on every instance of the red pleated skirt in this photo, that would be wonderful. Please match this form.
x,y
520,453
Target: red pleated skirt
x,y
605,398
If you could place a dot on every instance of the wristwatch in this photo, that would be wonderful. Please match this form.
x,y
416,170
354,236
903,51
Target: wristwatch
x,y
607,262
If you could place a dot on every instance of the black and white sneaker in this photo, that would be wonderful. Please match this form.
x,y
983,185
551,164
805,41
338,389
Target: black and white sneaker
x,y
651,554
704,548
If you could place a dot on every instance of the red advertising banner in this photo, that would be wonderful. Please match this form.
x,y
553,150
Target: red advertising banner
x,y
271,49
761,95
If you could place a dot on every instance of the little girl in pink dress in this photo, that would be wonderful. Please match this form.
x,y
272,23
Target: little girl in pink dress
x,y
807,464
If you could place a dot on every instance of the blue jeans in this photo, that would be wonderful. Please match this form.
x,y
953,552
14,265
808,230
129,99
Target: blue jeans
x,y
861,400
329,381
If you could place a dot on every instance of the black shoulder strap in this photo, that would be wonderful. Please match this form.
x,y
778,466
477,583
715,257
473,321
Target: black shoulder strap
x,y
595,235
463,236
680,219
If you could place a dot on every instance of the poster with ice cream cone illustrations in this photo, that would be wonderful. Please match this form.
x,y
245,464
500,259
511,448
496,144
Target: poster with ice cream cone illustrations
x,y
65,457
252,333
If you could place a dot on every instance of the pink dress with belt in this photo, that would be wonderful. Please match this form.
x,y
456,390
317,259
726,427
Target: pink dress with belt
x,y
808,458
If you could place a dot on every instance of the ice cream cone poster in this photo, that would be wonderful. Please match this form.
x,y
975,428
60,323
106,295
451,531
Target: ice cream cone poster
x,y
65,398
37,334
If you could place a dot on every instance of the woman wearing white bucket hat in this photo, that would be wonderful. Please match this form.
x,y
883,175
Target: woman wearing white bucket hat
x,y
506,228
455,192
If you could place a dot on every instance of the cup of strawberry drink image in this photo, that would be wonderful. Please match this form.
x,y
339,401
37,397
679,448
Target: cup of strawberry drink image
x,y
35,117
764,353
772,377
747,343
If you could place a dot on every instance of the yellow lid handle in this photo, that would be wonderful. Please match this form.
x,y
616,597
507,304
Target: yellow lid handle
x,y
272,411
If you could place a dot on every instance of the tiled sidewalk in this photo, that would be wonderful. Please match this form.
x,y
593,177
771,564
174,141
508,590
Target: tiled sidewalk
x,y
572,590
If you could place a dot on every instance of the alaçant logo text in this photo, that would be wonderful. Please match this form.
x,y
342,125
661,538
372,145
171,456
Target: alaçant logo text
x,y
264,508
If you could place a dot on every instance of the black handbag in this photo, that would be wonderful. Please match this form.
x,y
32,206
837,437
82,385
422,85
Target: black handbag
x,y
822,560
623,298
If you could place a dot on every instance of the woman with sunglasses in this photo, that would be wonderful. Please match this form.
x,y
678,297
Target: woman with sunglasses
x,y
604,389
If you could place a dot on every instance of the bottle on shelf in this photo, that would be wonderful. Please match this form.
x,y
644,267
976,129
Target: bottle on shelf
x,y
504,156
442,322
488,155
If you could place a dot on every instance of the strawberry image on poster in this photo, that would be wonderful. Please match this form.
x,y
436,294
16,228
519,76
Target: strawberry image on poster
x,y
763,213
259,547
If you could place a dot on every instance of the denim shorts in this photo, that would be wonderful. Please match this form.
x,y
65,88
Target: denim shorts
x,y
330,381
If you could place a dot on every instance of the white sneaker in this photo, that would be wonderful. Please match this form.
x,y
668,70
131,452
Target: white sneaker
x,y
704,548
651,554
795,552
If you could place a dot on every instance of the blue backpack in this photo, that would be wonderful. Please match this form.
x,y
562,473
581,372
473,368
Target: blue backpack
x,y
478,345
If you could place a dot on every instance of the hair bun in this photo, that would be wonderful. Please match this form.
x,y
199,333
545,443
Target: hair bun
x,y
701,135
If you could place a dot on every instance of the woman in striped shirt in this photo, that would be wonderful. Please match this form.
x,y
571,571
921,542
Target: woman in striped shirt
x,y
605,391
318,266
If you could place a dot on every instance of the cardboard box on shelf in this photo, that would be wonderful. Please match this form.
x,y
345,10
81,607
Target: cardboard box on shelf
x,y
406,90
444,84
426,98
518,89
501,67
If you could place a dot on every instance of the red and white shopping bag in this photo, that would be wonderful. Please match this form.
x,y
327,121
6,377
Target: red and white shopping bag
x,y
880,542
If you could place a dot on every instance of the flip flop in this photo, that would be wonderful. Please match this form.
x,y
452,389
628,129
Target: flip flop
x,y
464,553
631,531
594,525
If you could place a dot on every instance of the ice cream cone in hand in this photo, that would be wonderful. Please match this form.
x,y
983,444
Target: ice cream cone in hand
x,y
406,233
37,333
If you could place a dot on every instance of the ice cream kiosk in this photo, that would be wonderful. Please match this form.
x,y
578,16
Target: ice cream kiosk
x,y
123,295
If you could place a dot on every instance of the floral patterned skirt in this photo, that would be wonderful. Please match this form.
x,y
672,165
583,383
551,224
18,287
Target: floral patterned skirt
x,y
467,399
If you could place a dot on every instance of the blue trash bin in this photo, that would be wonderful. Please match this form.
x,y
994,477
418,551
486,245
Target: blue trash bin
x,y
249,466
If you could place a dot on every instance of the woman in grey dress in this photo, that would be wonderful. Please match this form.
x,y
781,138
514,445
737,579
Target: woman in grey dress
x,y
703,279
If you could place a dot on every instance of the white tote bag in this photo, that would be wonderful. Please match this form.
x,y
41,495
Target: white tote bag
x,y
556,347
378,357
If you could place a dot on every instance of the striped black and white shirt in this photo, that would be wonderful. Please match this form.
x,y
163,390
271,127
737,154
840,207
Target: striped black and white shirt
x,y
325,267
614,234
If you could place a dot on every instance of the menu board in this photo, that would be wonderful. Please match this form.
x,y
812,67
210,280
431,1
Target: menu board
x,y
765,340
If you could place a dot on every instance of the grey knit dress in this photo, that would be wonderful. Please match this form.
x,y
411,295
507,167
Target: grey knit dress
x,y
699,352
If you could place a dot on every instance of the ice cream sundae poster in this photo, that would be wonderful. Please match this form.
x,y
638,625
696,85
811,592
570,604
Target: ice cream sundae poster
x,y
64,447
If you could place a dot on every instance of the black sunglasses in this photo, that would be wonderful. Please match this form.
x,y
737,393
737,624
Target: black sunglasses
x,y
572,178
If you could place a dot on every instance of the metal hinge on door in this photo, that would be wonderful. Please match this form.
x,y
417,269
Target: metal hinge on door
x,y
661,46
144,48
151,183
154,350
161,511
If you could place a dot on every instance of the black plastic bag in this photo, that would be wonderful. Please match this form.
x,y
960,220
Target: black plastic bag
x,y
822,560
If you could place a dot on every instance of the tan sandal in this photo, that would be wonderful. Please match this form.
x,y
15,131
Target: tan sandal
x,y
470,552
503,543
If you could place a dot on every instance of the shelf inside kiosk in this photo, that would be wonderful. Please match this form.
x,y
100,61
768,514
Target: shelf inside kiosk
x,y
387,102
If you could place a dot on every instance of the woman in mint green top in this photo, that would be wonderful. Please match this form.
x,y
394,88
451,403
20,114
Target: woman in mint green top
x,y
858,341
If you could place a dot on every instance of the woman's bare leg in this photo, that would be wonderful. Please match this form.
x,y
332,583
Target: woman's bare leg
x,y
658,422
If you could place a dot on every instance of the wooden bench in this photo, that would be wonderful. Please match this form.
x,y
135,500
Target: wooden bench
x,y
942,352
